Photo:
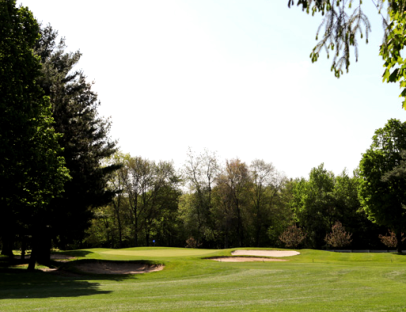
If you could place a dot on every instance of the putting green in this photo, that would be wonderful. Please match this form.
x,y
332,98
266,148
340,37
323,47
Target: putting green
x,y
160,252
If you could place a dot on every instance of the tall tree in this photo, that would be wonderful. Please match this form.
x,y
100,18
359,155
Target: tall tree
x,y
344,20
266,183
138,180
314,204
382,191
200,172
234,183
85,139
32,168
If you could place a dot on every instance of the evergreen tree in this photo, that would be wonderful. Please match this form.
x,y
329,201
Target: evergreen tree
x,y
85,139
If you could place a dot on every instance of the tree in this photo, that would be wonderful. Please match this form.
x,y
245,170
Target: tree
x,y
232,187
85,141
382,192
138,181
344,21
314,204
117,183
152,190
266,183
32,168
338,236
200,172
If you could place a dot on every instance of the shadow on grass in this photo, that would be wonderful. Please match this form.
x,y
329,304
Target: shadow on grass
x,y
19,284
16,283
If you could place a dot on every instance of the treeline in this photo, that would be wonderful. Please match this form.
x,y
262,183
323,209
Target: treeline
x,y
232,204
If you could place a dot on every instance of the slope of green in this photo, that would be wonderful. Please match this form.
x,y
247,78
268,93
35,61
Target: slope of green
x,y
312,281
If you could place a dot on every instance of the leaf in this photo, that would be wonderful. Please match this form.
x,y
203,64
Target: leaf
x,y
394,76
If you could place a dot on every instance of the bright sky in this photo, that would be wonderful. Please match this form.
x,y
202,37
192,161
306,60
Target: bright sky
x,y
232,76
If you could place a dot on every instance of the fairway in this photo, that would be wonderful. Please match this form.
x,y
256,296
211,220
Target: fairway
x,y
311,281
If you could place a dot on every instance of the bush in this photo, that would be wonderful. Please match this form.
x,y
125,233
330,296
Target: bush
x,y
390,240
192,243
292,236
338,237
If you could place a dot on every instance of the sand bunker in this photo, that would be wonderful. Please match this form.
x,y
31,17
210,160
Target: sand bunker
x,y
266,253
244,259
117,268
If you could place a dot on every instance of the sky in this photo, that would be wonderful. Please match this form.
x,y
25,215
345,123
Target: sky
x,y
230,76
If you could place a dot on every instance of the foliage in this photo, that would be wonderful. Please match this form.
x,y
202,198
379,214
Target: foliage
x,y
314,204
85,141
144,209
32,170
324,198
390,240
382,195
192,243
232,193
344,23
338,236
292,236
200,172
266,184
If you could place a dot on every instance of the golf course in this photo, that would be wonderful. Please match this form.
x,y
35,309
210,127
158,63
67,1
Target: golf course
x,y
189,280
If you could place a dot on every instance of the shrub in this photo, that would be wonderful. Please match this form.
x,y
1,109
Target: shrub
x,y
390,240
192,243
338,237
292,236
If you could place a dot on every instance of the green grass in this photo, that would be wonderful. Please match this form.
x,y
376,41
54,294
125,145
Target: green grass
x,y
312,281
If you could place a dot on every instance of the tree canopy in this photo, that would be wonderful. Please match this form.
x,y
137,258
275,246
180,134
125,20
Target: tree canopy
x,y
32,170
382,188
85,141
344,21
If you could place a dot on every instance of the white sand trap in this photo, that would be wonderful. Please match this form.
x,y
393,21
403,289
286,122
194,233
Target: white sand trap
x,y
244,259
266,253
117,268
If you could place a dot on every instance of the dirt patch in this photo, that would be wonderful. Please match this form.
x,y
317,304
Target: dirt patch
x,y
266,253
244,259
117,268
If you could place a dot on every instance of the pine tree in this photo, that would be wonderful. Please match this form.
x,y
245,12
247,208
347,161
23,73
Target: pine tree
x,y
85,139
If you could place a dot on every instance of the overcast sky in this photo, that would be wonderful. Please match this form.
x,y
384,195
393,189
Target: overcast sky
x,y
232,76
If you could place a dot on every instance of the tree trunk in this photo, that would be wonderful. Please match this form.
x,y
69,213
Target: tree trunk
x,y
31,263
399,241
258,227
136,231
23,246
41,248
8,243
147,236
240,230
117,210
